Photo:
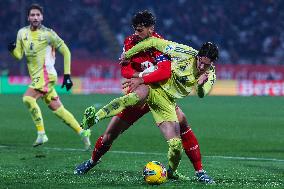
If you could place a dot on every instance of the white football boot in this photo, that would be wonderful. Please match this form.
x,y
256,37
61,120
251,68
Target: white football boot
x,y
41,139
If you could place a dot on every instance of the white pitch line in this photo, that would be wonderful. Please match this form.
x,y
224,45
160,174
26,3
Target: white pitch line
x,y
159,154
246,158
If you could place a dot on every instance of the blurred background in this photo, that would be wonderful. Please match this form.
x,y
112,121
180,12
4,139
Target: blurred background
x,y
249,35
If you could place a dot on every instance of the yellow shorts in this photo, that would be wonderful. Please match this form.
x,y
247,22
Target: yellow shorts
x,y
46,87
161,105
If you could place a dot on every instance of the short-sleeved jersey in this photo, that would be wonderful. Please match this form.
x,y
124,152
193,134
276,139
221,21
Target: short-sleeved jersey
x,y
39,48
184,69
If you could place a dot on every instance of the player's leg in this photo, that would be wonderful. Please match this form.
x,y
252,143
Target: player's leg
x,y
171,133
54,103
30,100
116,106
191,147
189,141
163,110
117,126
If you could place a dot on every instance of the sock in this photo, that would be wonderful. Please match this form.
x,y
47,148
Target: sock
x,y
68,118
99,150
40,129
116,106
35,112
174,153
191,148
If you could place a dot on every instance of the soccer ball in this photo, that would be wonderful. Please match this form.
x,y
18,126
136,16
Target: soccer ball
x,y
154,173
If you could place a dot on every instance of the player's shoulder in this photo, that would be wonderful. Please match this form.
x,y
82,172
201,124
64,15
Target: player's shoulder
x,y
23,29
157,35
132,39
46,29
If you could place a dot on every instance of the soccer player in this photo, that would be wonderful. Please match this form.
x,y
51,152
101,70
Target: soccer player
x,y
38,44
143,23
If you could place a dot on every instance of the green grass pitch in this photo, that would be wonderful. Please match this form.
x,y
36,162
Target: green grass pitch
x,y
241,140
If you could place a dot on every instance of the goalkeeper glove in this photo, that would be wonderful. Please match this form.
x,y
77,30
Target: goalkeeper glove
x,y
67,82
11,46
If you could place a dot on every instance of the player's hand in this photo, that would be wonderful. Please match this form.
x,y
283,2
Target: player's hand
x,y
125,85
134,83
67,82
203,78
122,60
11,46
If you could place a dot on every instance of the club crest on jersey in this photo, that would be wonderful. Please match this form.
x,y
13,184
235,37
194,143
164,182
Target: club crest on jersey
x,y
169,48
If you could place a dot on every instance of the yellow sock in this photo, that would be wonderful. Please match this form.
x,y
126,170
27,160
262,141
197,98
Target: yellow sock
x,y
68,118
40,128
174,153
35,112
117,105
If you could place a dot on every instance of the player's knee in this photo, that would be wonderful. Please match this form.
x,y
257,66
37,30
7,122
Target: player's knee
x,y
181,116
28,100
54,105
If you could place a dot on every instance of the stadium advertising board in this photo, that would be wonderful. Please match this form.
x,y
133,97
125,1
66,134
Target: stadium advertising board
x,y
249,72
260,88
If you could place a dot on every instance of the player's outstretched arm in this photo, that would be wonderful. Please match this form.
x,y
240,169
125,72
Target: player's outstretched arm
x,y
16,48
64,50
67,82
148,43
170,48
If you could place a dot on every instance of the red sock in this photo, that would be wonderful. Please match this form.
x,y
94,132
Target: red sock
x,y
100,149
191,147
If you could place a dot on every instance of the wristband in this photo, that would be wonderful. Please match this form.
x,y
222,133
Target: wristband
x,y
140,74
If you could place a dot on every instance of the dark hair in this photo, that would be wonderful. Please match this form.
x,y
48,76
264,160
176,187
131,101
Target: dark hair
x,y
209,50
143,18
35,6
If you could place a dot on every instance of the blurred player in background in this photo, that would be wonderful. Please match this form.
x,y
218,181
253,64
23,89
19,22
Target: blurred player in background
x,y
38,44
143,24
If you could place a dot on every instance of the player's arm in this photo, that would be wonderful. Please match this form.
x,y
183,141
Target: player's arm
x,y
126,69
167,47
64,50
161,73
204,89
59,44
16,49
162,70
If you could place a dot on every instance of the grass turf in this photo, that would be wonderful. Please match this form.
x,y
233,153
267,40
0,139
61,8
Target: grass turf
x,y
241,140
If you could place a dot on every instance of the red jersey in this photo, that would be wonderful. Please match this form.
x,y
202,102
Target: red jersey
x,y
146,59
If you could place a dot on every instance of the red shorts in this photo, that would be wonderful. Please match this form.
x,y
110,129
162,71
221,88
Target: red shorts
x,y
133,113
